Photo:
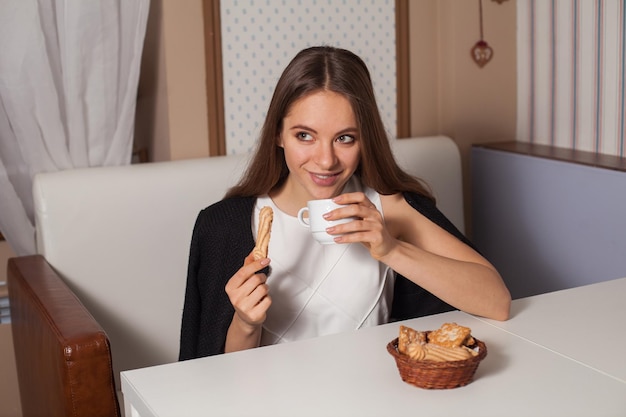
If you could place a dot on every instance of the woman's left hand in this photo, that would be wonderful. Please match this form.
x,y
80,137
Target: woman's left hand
x,y
369,228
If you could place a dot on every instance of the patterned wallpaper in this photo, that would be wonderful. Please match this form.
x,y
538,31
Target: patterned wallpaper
x,y
260,37
572,73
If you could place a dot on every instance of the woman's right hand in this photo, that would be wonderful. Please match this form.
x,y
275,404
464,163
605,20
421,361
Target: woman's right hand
x,y
249,295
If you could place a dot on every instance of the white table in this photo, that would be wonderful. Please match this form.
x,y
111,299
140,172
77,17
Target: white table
x,y
572,320
352,374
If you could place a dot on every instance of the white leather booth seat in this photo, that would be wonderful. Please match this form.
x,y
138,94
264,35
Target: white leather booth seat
x,y
119,236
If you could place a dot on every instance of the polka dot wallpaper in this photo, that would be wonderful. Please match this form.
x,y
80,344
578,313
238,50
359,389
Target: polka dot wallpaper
x,y
260,37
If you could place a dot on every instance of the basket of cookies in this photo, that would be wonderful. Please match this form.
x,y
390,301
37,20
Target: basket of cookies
x,y
444,358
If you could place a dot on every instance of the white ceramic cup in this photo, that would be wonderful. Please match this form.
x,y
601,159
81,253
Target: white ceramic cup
x,y
318,224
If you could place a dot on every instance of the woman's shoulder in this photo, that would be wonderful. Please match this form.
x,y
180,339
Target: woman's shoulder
x,y
227,210
418,202
232,203
401,208
399,212
391,200
427,207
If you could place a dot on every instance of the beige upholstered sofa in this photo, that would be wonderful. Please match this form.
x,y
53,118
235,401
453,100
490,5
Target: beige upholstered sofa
x,y
105,293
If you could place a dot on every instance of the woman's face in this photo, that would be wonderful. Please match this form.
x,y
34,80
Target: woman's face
x,y
321,141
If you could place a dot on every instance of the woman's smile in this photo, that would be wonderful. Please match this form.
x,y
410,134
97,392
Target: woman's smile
x,y
325,180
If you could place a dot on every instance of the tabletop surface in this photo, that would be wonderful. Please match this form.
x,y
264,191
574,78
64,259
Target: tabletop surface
x,y
586,324
352,374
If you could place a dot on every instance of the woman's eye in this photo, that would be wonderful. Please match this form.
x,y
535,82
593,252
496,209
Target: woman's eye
x,y
345,139
304,136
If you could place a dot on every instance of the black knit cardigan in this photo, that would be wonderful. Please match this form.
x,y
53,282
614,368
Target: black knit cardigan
x,y
222,238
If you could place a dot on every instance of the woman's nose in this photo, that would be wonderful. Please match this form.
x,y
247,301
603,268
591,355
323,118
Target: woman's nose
x,y
325,156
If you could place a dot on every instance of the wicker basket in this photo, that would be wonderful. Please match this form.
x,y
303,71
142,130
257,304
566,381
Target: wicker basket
x,y
436,375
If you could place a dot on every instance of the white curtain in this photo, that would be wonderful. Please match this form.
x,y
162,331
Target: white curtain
x,y
571,74
69,71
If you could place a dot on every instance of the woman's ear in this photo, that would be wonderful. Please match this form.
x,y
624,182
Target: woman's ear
x,y
279,141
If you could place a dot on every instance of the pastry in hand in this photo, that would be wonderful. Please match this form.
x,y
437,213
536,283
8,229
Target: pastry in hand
x,y
266,217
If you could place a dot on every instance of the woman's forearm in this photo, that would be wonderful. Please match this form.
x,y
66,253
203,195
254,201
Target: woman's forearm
x,y
241,335
473,287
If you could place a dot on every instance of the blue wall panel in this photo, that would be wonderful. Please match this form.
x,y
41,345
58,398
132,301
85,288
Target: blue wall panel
x,y
546,224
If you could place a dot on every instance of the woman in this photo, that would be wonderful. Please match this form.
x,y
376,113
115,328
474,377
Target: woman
x,y
323,138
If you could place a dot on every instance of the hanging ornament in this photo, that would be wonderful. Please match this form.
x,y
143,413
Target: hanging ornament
x,y
481,52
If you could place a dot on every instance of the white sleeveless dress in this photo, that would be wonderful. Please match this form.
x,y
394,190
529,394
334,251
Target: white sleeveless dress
x,y
321,289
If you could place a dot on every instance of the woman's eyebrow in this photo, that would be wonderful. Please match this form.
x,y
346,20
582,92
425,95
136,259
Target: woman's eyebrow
x,y
307,128
303,127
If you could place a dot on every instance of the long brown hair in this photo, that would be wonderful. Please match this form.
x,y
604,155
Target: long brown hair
x,y
331,69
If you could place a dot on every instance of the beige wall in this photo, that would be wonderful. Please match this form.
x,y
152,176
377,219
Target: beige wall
x,y
5,253
172,107
10,405
9,392
450,94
